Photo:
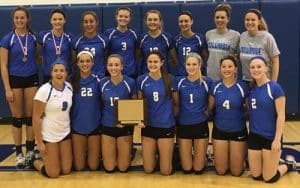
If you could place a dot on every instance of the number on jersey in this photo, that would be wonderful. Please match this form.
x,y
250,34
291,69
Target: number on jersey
x,y
86,92
226,104
112,100
253,103
155,96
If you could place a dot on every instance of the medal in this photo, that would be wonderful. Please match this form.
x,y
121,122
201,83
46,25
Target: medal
x,y
24,48
57,48
24,59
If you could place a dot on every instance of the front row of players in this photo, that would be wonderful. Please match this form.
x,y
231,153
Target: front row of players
x,y
188,98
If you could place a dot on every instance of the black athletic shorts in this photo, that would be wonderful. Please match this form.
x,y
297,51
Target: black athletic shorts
x,y
241,136
195,131
156,132
23,82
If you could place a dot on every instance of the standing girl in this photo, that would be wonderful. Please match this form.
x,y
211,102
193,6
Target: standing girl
x,y
86,114
51,123
221,41
158,131
156,39
116,138
188,41
192,131
257,41
20,79
55,43
92,41
229,131
123,41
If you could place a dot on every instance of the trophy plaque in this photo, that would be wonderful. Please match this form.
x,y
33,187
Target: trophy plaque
x,y
130,111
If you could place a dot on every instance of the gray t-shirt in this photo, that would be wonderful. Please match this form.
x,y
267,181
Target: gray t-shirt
x,y
262,44
220,45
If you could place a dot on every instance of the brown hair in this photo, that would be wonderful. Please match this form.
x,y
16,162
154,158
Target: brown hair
x,y
262,22
90,13
224,7
21,8
159,15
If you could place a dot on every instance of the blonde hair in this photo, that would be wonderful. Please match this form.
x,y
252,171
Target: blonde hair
x,y
199,59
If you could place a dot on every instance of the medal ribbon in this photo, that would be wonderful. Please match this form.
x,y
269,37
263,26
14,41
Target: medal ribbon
x,y
57,48
24,48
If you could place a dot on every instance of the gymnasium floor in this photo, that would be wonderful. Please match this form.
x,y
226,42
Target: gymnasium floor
x,y
10,177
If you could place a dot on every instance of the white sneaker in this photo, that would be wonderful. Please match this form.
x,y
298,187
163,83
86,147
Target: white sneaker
x,y
20,161
29,158
291,162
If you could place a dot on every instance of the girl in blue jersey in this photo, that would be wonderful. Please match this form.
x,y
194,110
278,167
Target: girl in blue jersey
x,y
86,114
55,43
229,131
20,80
188,41
158,131
123,41
92,41
266,103
51,123
116,139
155,39
191,97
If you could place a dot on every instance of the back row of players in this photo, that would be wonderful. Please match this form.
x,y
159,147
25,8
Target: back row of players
x,y
18,68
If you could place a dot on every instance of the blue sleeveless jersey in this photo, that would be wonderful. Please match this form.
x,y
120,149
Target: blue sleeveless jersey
x,y
159,104
110,93
86,109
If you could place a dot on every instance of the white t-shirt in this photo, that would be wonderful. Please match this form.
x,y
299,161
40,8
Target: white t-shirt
x,y
56,120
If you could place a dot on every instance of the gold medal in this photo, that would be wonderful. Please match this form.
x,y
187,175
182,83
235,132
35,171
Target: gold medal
x,y
24,59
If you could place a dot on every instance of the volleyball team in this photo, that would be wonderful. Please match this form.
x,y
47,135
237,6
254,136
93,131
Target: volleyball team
x,y
184,80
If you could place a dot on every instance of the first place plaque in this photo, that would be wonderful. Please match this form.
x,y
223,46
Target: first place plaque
x,y
130,111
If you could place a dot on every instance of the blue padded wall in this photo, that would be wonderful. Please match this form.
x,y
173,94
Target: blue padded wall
x,y
279,16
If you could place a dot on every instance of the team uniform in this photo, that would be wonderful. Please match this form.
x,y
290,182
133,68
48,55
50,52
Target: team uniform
x,y
229,117
262,44
124,44
54,47
86,109
22,69
160,117
184,46
56,122
110,93
220,45
193,102
97,46
262,115
162,43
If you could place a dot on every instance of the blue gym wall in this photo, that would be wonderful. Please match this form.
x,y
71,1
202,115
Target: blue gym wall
x,y
282,17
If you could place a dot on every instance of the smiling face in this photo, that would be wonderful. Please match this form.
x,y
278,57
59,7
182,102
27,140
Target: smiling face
x,y
20,19
57,21
89,24
114,66
85,64
58,73
221,19
258,69
154,63
251,22
153,21
123,18
192,66
228,69
185,23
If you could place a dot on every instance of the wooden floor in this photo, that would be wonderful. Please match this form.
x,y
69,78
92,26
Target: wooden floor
x,y
138,179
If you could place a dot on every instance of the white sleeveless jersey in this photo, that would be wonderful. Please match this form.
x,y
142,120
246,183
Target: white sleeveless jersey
x,y
56,119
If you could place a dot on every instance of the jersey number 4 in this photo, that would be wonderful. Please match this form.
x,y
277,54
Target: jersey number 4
x,y
226,104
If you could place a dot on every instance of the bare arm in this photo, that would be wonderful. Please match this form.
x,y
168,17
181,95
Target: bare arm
x,y
275,68
175,102
173,56
280,110
4,74
38,111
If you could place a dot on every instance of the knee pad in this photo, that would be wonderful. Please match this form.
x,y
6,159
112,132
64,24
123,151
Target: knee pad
x,y
28,121
199,172
258,178
17,122
274,178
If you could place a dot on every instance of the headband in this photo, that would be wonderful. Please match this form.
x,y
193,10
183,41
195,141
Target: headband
x,y
85,52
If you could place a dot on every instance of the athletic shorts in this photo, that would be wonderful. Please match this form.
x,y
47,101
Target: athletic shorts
x,y
195,131
258,142
68,137
117,131
241,136
97,131
23,82
156,132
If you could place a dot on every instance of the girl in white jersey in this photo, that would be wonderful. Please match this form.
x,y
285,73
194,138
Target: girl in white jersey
x,y
257,41
51,123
